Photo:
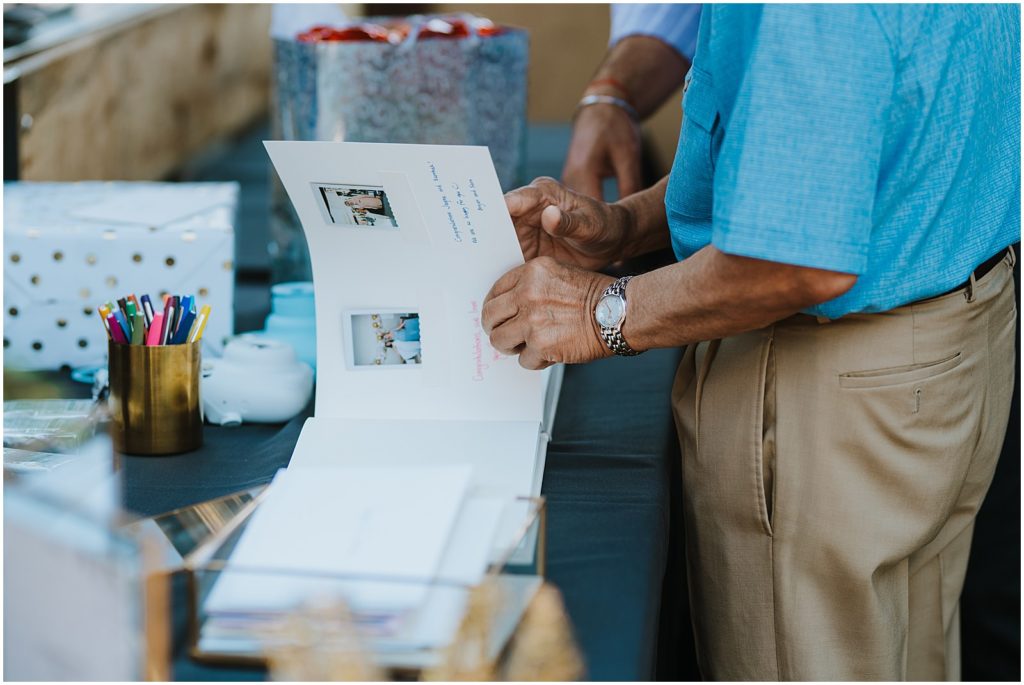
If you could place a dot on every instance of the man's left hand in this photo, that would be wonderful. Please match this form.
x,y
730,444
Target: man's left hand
x,y
544,312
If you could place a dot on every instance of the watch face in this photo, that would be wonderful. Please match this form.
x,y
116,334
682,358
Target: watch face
x,y
610,311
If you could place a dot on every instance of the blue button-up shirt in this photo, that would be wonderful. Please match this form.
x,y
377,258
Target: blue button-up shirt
x,y
881,141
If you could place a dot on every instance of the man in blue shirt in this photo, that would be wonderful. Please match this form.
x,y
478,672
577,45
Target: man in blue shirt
x,y
843,196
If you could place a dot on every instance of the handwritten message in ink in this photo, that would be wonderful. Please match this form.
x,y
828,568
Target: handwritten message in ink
x,y
461,203
483,354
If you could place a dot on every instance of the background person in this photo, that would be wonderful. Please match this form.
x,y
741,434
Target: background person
x,y
649,54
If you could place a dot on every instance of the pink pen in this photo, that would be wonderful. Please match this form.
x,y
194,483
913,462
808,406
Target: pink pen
x,y
115,330
155,330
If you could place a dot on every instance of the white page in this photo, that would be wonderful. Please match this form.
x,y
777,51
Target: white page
x,y
465,558
441,236
506,457
502,454
360,523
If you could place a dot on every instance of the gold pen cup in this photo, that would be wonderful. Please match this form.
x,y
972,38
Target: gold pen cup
x,y
154,398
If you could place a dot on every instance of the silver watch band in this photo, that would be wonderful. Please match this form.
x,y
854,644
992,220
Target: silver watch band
x,y
612,336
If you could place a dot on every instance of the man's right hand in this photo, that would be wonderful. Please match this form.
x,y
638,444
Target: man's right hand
x,y
552,220
605,142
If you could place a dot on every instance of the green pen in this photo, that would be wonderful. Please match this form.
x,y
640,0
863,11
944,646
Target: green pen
x,y
138,329
129,316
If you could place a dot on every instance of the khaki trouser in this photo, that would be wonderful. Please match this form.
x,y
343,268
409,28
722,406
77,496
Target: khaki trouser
x,y
831,475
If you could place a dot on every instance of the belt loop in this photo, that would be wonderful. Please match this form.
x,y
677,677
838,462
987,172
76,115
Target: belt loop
x,y
1013,256
969,290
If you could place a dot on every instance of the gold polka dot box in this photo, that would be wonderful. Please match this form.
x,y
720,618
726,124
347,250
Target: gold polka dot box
x,y
69,247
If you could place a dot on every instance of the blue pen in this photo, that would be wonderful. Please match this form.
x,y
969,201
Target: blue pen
x,y
186,304
147,309
184,327
123,323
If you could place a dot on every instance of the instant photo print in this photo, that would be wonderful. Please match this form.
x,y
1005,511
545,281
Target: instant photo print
x,y
354,205
383,338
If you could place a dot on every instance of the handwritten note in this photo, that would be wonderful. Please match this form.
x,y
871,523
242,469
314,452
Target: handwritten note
x,y
460,199
483,354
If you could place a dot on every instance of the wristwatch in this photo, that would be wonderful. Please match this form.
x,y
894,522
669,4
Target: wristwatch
x,y
610,314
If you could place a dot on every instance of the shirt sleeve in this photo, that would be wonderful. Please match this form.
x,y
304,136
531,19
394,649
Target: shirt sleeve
x,y
799,163
673,24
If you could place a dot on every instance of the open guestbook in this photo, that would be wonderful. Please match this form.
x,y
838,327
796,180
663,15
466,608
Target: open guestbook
x,y
426,444
405,242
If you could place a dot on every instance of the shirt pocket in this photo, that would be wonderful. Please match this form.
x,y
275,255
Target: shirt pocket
x,y
693,168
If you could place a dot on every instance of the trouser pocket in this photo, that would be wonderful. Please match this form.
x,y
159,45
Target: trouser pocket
x,y
764,453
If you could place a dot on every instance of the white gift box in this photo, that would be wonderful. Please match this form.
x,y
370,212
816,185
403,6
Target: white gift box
x,y
69,247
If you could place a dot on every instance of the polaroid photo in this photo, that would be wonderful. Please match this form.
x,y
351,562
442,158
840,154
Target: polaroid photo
x,y
383,338
344,204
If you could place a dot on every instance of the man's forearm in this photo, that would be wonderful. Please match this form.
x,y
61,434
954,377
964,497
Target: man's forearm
x,y
648,227
712,295
648,69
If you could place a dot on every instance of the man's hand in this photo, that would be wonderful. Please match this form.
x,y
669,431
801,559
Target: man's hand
x,y
553,221
544,312
605,142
